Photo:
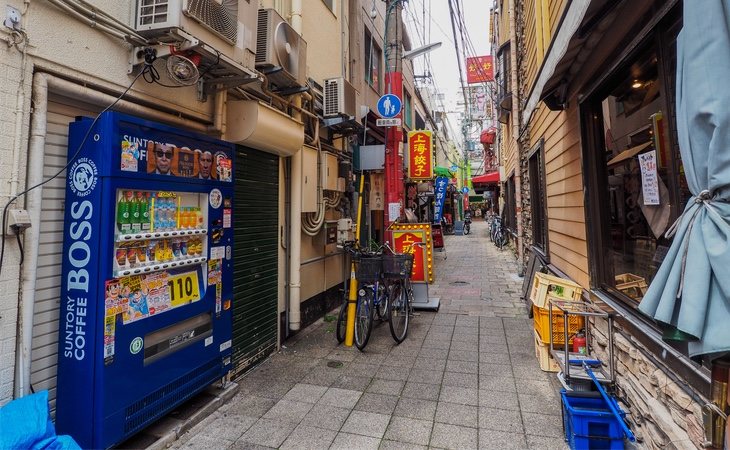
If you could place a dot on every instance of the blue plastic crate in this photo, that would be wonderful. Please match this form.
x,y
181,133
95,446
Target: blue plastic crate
x,y
589,423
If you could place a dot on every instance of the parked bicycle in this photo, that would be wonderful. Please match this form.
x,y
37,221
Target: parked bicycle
x,y
467,223
497,233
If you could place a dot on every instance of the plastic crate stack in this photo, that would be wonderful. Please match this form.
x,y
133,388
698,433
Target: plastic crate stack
x,y
545,287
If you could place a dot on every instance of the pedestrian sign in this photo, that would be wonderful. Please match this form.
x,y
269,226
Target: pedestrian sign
x,y
389,106
465,190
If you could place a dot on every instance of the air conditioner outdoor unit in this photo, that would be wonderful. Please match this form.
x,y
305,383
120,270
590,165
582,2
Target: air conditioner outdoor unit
x,y
281,53
224,30
340,98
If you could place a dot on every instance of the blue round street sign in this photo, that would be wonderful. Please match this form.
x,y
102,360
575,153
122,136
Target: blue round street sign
x,y
465,190
389,106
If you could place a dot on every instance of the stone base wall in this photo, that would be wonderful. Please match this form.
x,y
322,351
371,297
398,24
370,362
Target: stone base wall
x,y
663,416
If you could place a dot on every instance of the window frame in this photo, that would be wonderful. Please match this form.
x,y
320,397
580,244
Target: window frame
x,y
373,53
407,109
538,197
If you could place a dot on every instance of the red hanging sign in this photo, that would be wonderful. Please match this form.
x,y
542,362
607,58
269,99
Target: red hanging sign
x,y
420,155
404,244
479,69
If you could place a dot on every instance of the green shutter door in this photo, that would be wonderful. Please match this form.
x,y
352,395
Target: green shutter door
x,y
255,266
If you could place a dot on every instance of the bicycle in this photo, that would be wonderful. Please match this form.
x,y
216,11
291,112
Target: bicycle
x,y
397,269
467,223
497,233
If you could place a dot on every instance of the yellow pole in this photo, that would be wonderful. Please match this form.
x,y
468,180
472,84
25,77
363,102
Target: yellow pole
x,y
352,296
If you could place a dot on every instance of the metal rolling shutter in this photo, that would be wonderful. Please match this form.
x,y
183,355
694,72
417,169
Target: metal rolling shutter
x,y
255,273
44,352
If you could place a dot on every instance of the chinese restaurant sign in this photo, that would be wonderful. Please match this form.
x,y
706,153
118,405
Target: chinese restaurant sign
x,y
479,69
405,235
420,155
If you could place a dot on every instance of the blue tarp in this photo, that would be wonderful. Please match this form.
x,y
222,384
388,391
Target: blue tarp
x,y
26,424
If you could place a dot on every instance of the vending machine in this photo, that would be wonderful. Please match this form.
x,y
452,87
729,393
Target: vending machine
x,y
145,320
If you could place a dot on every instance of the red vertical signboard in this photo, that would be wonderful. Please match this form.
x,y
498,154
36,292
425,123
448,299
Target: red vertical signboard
x,y
420,155
479,69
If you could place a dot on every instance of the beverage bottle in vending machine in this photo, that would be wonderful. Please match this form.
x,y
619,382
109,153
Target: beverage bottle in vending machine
x,y
123,222
145,212
198,218
135,212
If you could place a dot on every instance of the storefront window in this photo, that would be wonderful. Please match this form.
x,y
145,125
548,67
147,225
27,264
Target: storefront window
x,y
639,188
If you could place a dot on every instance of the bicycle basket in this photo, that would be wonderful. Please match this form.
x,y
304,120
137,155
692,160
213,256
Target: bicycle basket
x,y
368,269
397,266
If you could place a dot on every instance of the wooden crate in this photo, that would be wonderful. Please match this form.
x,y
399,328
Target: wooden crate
x,y
546,286
632,285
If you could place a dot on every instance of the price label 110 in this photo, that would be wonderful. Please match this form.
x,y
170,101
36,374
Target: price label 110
x,y
184,288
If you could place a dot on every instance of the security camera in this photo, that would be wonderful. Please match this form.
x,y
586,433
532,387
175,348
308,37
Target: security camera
x,y
373,13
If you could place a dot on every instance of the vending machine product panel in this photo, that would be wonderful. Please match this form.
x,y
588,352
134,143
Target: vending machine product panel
x,y
146,292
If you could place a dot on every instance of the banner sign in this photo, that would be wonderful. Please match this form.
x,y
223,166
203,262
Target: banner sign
x,y
439,193
405,235
420,155
479,69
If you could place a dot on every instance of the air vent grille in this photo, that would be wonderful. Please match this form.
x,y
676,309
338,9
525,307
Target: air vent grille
x,y
219,17
331,98
153,11
262,36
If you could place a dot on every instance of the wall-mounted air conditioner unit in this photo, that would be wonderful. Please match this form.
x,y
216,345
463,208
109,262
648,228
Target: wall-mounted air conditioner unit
x,y
339,98
223,32
281,53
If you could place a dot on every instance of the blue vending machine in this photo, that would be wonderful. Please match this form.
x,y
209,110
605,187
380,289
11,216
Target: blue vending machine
x,y
146,293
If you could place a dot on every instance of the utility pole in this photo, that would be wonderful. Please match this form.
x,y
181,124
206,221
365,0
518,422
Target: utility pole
x,y
393,85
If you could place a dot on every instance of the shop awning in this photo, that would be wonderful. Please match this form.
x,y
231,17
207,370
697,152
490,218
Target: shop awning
x,y
492,177
442,172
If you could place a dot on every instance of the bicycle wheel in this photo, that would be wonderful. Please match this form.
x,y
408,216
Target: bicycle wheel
x,y
399,310
500,239
381,305
364,317
467,228
342,322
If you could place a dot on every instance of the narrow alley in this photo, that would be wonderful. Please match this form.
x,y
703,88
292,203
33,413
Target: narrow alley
x,y
466,376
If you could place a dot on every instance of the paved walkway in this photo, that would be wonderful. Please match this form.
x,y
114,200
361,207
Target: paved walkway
x,y
466,377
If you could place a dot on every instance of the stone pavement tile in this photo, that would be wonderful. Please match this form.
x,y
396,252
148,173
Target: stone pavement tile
x,y
484,332
494,357
268,432
344,354
495,370
385,387
393,373
348,441
444,319
465,346
409,430
490,383
379,348
308,393
342,398
361,370
499,440
398,445
498,399
466,335
433,353
491,322
430,363
546,443
305,437
377,403
324,416
370,358
205,442
462,355
274,390
322,376
541,403
454,437
462,396
421,391
426,376
489,340
250,405
500,420
493,347
229,426
289,411
462,366
543,387
543,424
366,424
531,371
466,380
445,329
399,361
352,382
243,445
443,344
415,408
455,414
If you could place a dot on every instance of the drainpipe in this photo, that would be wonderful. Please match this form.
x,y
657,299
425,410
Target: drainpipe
x,y
295,206
516,134
42,82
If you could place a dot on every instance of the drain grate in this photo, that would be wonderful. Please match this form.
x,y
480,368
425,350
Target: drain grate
x,y
459,283
335,364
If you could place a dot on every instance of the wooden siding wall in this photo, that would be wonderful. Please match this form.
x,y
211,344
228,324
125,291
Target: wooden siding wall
x,y
564,182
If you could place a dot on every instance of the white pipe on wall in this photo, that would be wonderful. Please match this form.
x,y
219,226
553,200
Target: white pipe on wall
x,y
42,83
